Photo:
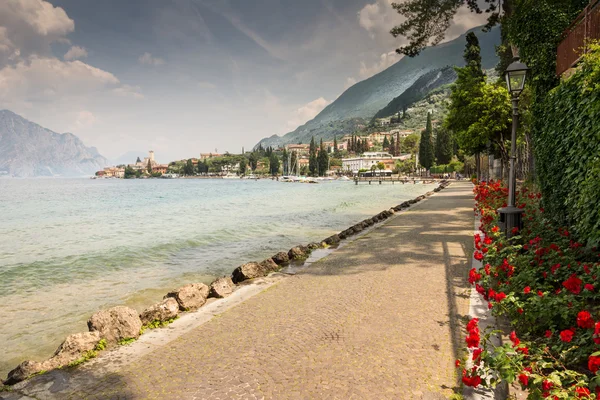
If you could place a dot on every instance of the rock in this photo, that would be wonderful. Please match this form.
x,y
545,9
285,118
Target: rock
x,y
368,222
357,228
298,252
413,201
269,265
313,246
281,258
163,311
406,204
421,197
116,323
331,240
342,235
390,212
23,371
73,348
437,189
190,297
375,219
222,287
247,271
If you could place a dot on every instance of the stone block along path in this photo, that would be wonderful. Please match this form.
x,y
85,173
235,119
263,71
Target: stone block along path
x,y
380,318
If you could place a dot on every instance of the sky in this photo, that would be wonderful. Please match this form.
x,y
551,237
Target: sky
x,y
183,77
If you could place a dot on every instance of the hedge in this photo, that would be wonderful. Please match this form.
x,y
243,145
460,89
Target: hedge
x,y
568,151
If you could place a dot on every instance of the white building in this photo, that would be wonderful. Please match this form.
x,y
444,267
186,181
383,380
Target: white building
x,y
367,160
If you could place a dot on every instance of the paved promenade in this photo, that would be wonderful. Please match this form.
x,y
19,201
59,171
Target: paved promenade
x,y
381,318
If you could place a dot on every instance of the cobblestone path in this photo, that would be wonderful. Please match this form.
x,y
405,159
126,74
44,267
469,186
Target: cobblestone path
x,y
377,319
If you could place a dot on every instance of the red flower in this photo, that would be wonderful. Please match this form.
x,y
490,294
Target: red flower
x,y
515,230
589,286
474,276
478,255
573,284
523,350
514,339
487,241
527,290
582,392
495,229
596,336
548,333
457,363
477,355
584,320
472,324
472,381
540,293
524,379
499,297
594,363
566,335
547,385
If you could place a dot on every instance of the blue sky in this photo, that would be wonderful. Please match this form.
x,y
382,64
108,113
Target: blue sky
x,y
188,76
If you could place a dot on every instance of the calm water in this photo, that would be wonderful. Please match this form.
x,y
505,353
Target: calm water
x,y
69,247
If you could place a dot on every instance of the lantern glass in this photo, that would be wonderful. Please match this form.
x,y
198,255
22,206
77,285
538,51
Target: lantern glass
x,y
515,80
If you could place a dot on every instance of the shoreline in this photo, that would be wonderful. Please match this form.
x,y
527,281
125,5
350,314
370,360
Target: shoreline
x,y
248,287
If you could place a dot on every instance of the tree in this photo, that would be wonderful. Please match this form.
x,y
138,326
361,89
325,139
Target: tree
x,y
285,159
138,160
243,166
426,22
313,165
323,160
426,155
273,164
149,167
253,160
386,143
411,143
294,160
444,147
380,166
189,167
129,172
392,146
335,146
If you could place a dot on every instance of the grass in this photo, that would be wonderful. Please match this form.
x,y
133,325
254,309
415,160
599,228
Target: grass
x,y
157,324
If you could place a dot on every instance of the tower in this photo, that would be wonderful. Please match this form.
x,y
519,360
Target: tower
x,y
151,156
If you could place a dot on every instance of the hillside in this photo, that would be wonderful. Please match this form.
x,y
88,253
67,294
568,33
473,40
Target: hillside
x,y
29,150
366,98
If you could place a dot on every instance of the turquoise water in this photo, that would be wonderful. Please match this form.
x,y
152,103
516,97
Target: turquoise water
x,y
69,247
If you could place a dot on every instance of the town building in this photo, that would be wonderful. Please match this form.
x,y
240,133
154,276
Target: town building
x,y
160,168
204,156
300,149
368,159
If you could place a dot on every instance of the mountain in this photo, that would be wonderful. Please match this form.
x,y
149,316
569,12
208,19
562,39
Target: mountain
x,y
418,90
363,100
28,150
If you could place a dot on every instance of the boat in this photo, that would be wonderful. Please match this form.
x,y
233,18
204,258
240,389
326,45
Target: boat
x,y
231,175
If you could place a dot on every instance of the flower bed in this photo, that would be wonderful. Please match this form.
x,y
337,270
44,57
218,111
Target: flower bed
x,y
543,283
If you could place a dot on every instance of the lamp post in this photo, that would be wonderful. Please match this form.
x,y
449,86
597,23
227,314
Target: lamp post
x,y
511,216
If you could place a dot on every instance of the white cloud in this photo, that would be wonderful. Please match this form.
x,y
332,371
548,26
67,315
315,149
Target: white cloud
x,y
378,18
307,112
148,59
84,119
75,53
129,91
29,27
385,61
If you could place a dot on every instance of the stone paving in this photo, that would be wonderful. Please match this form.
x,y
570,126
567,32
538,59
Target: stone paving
x,y
378,319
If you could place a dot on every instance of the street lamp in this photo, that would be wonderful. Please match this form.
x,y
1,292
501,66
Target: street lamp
x,y
511,216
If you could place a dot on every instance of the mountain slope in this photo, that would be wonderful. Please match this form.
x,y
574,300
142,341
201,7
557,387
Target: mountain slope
x,y
28,150
366,98
418,90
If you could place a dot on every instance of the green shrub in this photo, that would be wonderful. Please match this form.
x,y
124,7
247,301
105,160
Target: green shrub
x,y
568,151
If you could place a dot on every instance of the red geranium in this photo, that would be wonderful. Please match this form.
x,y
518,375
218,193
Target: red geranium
x,y
584,320
582,392
573,284
594,363
524,379
566,335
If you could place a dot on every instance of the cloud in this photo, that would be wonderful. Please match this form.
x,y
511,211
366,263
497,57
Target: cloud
x,y
75,53
385,61
378,18
307,112
29,27
84,119
148,59
129,91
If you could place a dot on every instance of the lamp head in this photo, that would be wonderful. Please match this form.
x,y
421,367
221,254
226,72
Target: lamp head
x,y
516,73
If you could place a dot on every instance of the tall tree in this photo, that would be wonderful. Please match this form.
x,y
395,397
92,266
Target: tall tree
x,y
323,160
426,155
243,166
189,167
293,166
386,143
253,160
313,166
273,163
335,146
397,148
149,166
285,162
444,148
392,146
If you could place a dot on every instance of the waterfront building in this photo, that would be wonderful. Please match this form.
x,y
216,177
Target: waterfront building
x,y
160,168
368,159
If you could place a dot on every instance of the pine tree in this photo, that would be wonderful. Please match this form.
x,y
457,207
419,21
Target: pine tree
x,y
426,154
149,167
392,146
397,150
323,160
285,162
335,145
273,163
444,148
386,143
312,158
